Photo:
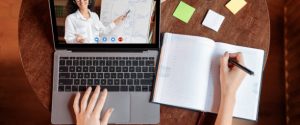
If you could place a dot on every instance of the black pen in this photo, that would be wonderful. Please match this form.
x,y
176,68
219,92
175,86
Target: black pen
x,y
241,67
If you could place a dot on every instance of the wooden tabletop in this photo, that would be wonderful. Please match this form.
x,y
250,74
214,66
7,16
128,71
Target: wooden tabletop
x,y
250,27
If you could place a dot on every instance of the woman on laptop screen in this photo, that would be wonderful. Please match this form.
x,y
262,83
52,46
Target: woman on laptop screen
x,y
83,26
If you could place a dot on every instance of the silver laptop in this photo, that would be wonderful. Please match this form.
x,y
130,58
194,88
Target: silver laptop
x,y
115,46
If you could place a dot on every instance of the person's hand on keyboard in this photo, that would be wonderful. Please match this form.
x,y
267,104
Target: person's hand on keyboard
x,y
88,113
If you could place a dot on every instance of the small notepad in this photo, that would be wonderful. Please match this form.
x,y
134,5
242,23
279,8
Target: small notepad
x,y
184,12
236,5
213,20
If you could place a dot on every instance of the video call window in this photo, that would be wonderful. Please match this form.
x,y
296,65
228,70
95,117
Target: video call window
x,y
105,21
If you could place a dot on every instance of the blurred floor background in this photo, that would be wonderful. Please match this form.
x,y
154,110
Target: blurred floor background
x,y
19,105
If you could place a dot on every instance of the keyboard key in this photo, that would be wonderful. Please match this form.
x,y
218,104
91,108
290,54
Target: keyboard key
x,y
75,62
98,69
133,75
68,89
97,81
126,75
150,63
82,62
106,75
129,82
88,62
65,81
128,63
113,75
103,81
72,69
78,69
110,82
146,82
111,88
135,63
90,82
73,75
80,75
69,62
92,69
105,69
122,63
138,69
123,81
85,69
111,69
102,63
148,75
150,88
140,75
131,69
138,88
120,75
64,75
141,63
131,88
62,62
145,69
61,88
151,69
136,82
125,69
118,69
76,82
63,69
95,62
117,82
93,75
75,88
100,75
86,75
82,82
82,88
115,63
124,88
144,88
108,63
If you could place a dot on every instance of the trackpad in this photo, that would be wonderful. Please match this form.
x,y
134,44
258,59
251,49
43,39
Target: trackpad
x,y
121,104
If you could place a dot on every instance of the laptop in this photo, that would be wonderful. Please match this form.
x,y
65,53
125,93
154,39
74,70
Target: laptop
x,y
116,46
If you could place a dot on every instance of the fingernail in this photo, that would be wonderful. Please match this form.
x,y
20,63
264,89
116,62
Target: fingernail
x,y
112,109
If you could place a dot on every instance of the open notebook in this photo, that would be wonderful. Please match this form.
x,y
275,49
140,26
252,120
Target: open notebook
x,y
188,75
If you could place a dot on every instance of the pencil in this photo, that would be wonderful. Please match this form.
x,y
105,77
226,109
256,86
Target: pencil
x,y
241,67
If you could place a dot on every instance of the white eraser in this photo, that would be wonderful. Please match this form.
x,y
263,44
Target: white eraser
x,y
213,20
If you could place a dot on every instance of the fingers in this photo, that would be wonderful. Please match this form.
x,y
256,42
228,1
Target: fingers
x,y
93,100
100,103
76,103
224,62
106,116
85,99
238,56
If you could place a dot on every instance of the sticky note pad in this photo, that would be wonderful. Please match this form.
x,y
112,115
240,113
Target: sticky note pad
x,y
235,5
184,12
213,20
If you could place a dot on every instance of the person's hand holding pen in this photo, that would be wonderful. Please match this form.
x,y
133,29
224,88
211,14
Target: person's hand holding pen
x,y
231,77
121,18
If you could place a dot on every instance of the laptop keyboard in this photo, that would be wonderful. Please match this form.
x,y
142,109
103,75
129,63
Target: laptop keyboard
x,y
113,73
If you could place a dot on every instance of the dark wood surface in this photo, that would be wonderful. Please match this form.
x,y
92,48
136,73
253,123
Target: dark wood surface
x,y
292,62
250,27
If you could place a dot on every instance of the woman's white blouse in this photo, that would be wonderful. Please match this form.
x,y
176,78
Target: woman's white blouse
x,y
90,29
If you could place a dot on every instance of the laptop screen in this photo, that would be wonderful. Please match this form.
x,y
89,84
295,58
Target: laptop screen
x,y
104,21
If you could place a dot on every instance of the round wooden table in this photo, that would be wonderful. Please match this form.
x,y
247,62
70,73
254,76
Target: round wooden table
x,y
250,27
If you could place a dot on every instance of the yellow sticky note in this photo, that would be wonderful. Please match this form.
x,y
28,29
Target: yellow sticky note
x,y
235,5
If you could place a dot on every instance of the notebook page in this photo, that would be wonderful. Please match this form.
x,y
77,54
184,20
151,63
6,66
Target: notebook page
x,y
183,71
247,98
